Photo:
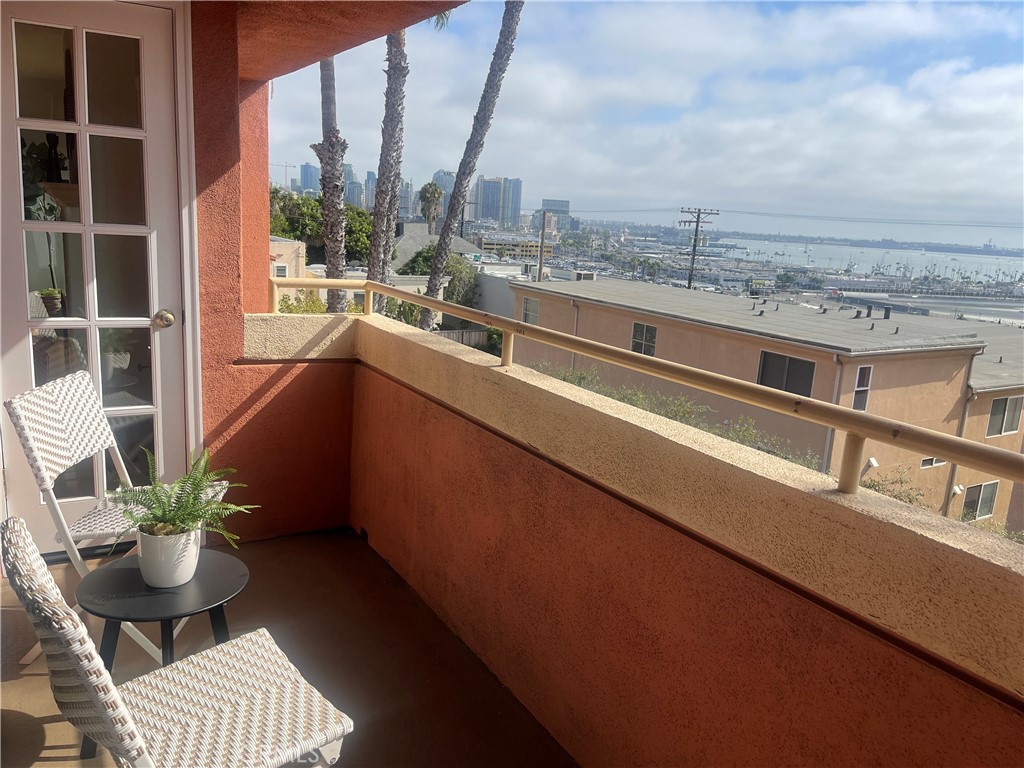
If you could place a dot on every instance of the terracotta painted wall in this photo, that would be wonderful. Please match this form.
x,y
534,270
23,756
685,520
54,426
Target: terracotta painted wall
x,y
631,642
255,417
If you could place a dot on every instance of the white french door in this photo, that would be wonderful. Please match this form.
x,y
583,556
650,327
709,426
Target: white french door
x,y
90,267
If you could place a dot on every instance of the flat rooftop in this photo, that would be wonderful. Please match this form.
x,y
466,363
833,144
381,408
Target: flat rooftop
x,y
835,330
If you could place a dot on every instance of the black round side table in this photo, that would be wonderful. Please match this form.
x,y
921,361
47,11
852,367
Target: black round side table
x,y
117,593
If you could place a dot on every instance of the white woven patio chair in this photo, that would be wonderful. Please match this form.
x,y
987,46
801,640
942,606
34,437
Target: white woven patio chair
x,y
58,424
238,703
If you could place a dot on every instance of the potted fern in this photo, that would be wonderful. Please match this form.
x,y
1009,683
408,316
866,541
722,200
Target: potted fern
x,y
171,516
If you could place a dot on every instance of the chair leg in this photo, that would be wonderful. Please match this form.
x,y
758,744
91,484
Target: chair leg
x,y
329,753
180,626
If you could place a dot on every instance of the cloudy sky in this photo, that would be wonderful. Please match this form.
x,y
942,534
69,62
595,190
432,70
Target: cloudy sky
x,y
885,110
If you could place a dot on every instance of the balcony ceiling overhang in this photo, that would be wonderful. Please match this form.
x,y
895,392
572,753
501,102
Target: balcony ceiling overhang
x,y
275,38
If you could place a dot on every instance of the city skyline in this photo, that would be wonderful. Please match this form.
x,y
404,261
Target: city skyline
x,y
888,112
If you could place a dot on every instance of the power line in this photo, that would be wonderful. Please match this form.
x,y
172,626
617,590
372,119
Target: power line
x,y
816,217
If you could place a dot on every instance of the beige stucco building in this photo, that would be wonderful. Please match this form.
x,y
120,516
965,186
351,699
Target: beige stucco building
x,y
954,377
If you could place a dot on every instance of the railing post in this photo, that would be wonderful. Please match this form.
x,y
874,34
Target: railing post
x,y
507,343
367,302
275,298
853,461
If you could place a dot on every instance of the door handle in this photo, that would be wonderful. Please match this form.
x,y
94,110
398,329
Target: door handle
x,y
163,319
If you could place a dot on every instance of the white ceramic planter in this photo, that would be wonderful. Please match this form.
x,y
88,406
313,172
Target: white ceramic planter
x,y
168,561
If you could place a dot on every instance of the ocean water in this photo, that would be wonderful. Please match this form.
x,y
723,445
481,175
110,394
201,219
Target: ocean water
x,y
864,261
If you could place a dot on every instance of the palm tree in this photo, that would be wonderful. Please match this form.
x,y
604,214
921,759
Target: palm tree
x,y
331,153
430,204
389,169
474,146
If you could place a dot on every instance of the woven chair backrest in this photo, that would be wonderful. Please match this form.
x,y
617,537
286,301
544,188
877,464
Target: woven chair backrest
x,y
81,685
59,424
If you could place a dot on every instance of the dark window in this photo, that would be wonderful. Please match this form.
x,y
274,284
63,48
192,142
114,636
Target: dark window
x,y
790,374
979,501
860,393
1005,416
531,310
644,337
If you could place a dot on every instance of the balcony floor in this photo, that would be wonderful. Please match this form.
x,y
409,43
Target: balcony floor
x,y
353,627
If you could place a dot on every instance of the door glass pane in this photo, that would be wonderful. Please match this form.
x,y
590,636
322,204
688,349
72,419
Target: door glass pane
x,y
76,481
118,194
57,352
132,433
49,176
122,276
46,72
56,284
113,81
125,367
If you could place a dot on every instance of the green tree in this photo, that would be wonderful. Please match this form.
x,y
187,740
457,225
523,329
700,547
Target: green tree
x,y
358,226
430,204
474,146
461,287
296,217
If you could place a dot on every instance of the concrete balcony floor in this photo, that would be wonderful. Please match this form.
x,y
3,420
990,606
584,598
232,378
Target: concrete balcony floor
x,y
353,627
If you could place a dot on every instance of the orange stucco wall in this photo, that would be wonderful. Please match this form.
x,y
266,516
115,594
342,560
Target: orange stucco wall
x,y
255,416
633,643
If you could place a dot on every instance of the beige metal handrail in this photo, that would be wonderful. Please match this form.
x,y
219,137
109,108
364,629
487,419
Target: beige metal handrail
x,y
857,425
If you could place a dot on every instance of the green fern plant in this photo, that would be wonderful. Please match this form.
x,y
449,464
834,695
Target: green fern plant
x,y
193,502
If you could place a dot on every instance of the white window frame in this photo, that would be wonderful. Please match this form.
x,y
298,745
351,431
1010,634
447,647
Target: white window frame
x,y
981,493
931,461
862,390
1006,401
641,345
531,310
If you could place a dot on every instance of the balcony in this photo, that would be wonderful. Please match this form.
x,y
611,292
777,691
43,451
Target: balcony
x,y
648,593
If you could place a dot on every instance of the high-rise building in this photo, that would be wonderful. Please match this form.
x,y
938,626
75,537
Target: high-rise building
x,y
558,207
296,186
309,176
354,194
347,173
370,189
559,219
446,181
488,199
511,202
407,203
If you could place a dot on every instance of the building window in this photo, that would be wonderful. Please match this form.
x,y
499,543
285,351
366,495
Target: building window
x,y
1005,416
790,374
531,310
644,337
860,393
931,461
280,270
979,500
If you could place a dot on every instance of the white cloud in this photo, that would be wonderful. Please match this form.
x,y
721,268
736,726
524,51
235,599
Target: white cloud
x,y
875,109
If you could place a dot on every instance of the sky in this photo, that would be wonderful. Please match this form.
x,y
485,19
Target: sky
x,y
885,111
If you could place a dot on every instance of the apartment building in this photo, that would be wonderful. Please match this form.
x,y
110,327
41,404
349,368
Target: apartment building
x,y
960,378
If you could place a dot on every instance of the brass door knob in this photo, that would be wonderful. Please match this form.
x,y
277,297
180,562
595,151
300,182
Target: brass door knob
x,y
163,319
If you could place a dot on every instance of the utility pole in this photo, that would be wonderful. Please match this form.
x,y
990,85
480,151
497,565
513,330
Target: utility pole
x,y
697,216
540,253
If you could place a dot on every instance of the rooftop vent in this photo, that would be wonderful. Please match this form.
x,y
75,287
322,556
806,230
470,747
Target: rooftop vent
x,y
754,305
896,331
764,301
870,308
872,325
824,310
857,316
886,313
776,307
1000,358
761,313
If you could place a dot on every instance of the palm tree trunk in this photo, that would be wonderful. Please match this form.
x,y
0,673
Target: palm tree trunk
x,y
474,146
389,170
331,153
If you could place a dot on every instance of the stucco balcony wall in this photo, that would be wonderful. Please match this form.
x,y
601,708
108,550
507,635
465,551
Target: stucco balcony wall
x,y
656,595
